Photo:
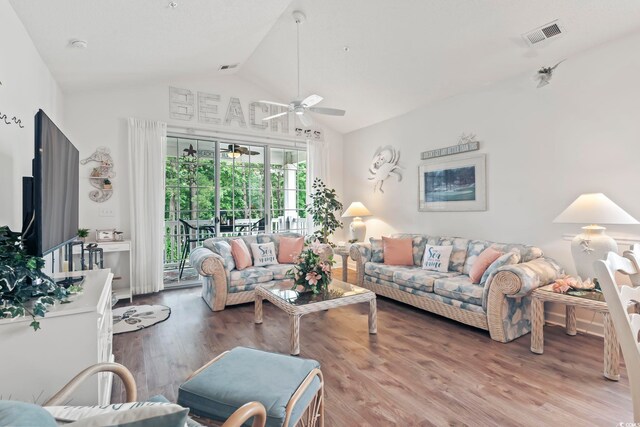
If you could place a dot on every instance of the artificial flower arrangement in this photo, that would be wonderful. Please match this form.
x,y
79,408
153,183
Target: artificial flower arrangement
x,y
565,284
312,269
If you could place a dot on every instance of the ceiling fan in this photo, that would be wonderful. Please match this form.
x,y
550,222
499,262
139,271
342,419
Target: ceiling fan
x,y
234,151
302,107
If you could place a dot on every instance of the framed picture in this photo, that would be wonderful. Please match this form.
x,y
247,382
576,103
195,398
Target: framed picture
x,y
453,184
105,235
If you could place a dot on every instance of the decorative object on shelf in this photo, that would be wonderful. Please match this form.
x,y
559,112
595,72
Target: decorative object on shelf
x,y
566,284
593,244
107,235
83,233
383,165
357,228
324,204
466,143
118,236
310,133
544,74
101,174
312,269
453,185
24,289
136,317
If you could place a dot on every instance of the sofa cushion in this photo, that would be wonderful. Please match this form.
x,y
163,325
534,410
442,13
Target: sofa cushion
x,y
289,248
275,238
241,254
279,270
458,253
22,414
222,248
436,258
249,276
383,271
474,249
459,288
264,254
527,253
377,250
419,241
509,258
484,260
419,279
397,251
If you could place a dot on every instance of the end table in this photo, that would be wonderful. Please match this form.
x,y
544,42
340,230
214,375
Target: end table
x,y
344,253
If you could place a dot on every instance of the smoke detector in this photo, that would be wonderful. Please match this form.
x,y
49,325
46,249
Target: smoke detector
x,y
78,44
542,34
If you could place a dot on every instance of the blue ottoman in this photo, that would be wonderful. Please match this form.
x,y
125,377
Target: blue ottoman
x,y
285,385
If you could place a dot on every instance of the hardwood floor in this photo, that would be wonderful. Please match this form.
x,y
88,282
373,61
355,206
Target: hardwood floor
x,y
419,370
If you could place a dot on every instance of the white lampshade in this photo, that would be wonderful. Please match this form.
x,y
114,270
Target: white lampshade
x,y
594,208
356,209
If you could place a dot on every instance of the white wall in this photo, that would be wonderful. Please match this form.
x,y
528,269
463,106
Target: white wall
x,y
98,118
27,85
544,147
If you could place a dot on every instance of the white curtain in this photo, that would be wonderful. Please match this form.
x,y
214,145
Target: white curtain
x,y
317,167
147,149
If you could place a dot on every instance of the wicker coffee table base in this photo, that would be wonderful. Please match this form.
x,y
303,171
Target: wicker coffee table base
x,y
296,312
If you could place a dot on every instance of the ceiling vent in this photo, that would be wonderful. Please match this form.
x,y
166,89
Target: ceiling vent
x,y
542,34
228,67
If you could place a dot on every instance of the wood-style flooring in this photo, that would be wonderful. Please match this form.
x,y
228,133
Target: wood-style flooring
x,y
419,370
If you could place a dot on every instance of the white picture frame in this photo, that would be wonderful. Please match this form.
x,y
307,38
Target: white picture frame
x,y
107,235
453,184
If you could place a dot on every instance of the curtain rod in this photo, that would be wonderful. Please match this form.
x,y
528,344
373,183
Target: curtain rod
x,y
195,131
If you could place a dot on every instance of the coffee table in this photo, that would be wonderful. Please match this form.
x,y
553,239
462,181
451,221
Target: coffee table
x,y
297,304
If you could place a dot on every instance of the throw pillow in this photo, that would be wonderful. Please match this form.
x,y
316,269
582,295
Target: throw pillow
x,y
436,258
397,251
223,249
264,254
138,414
509,258
290,247
480,265
376,250
22,414
240,252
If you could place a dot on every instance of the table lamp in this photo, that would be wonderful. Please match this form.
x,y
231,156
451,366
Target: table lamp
x,y
357,228
593,244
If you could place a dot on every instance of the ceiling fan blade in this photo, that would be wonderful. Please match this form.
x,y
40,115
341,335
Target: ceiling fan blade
x,y
305,119
311,100
275,115
274,103
329,111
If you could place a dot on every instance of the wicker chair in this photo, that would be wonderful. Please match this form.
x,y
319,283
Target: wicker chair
x,y
250,410
627,325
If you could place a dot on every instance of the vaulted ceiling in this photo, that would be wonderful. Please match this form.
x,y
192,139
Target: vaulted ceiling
x,y
402,54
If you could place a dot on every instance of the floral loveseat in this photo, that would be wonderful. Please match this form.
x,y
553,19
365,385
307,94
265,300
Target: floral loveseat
x,y
500,305
222,283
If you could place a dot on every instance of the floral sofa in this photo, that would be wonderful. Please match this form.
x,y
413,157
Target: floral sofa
x,y
225,285
501,304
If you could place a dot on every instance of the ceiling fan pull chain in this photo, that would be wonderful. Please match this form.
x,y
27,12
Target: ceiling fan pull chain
x,y
298,52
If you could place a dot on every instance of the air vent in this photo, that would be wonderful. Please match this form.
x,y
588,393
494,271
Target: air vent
x,y
228,67
539,35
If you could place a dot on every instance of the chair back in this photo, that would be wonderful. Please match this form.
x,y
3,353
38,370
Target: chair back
x,y
627,325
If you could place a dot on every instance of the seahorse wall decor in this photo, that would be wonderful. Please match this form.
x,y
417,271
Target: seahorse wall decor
x,y
383,165
101,173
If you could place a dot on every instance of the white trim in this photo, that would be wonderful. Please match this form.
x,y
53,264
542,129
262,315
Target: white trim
x,y
195,132
620,239
584,324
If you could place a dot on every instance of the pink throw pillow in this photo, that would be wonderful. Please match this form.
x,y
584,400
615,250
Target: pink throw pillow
x,y
484,260
289,248
397,251
240,254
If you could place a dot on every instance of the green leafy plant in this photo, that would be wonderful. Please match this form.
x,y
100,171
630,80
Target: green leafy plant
x,y
107,181
24,288
312,269
83,232
324,204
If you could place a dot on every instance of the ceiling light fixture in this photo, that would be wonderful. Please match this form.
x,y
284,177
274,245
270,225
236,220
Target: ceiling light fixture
x,y
173,4
233,154
78,44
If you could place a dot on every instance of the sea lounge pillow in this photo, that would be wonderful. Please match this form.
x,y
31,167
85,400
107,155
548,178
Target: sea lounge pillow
x,y
397,251
134,414
240,253
510,258
480,265
289,248
436,258
264,254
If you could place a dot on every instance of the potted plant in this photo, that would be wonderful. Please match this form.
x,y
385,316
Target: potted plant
x,y
106,185
312,269
324,204
24,289
83,233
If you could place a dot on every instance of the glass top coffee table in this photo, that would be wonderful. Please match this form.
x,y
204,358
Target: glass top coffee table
x,y
297,304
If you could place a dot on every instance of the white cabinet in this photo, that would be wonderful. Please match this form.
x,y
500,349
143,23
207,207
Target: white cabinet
x,y
117,257
36,364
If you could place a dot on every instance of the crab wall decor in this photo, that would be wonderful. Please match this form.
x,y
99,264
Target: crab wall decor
x,y
384,164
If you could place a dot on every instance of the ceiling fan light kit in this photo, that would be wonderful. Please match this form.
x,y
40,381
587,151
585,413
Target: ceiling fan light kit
x,y
302,108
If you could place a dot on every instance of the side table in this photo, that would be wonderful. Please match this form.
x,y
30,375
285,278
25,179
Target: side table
x,y
344,253
593,301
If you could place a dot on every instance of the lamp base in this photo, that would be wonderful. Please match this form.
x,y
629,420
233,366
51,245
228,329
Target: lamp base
x,y
357,229
589,246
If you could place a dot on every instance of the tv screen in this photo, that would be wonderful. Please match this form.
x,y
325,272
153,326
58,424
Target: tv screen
x,y
55,187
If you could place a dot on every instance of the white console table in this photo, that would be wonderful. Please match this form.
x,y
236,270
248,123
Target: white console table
x,y
36,364
121,267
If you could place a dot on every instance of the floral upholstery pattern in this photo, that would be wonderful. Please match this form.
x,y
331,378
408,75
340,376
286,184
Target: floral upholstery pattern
x,y
508,258
458,253
533,274
279,271
383,271
474,249
377,250
459,288
222,248
417,278
198,257
516,320
420,241
364,249
527,253
249,276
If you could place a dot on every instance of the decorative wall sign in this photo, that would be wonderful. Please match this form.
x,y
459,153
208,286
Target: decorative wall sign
x,y
101,175
14,120
466,143
210,109
453,185
383,165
